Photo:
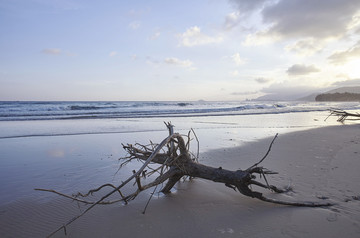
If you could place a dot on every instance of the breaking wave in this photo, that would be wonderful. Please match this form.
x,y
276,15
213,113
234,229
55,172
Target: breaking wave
x,y
15,111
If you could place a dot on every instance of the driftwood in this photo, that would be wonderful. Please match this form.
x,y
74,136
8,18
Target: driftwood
x,y
343,115
174,163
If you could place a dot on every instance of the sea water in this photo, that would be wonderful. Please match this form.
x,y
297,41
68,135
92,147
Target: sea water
x,y
19,119
37,110
75,146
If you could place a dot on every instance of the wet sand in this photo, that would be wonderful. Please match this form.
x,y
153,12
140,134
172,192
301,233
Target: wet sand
x,y
319,164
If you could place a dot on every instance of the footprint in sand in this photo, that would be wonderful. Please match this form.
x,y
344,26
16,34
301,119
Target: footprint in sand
x,y
332,217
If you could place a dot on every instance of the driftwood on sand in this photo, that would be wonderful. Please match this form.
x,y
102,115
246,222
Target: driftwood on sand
x,y
343,115
174,162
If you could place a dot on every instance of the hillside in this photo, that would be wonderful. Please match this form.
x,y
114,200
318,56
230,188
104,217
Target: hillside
x,y
301,96
353,90
338,97
340,94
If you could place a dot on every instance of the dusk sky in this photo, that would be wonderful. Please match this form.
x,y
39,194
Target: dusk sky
x,y
176,50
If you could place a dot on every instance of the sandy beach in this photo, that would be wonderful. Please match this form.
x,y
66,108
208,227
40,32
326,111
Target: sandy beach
x,y
319,164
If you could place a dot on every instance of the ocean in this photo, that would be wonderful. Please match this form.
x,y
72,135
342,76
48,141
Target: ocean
x,y
37,118
37,110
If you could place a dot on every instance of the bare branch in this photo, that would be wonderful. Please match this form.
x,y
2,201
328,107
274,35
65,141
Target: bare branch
x,y
267,153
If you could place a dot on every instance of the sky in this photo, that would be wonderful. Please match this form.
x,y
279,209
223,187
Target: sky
x,y
176,50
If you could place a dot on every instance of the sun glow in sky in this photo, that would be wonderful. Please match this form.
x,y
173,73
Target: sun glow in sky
x,y
176,50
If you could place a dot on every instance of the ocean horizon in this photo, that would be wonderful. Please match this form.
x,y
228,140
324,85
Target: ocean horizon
x,y
61,110
55,118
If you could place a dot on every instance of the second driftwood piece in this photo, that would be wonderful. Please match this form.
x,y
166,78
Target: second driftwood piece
x,y
343,115
170,161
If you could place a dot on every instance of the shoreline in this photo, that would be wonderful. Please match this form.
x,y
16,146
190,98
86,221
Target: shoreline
x,y
318,163
240,123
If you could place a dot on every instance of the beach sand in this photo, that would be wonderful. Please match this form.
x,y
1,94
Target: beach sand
x,y
319,164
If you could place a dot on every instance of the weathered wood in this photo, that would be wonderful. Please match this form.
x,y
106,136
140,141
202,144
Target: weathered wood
x,y
183,165
343,115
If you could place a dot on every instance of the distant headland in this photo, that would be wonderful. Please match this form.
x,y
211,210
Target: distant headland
x,y
338,97
343,94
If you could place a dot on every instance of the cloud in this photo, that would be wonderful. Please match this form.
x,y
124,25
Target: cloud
x,y
244,93
262,80
260,38
151,60
155,35
343,76
51,51
193,37
56,51
306,47
134,25
357,31
71,54
113,53
237,59
287,91
231,20
341,57
300,19
234,73
309,18
347,83
299,69
246,14
178,62
246,6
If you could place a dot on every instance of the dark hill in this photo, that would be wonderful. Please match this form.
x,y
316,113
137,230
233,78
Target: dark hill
x,y
338,97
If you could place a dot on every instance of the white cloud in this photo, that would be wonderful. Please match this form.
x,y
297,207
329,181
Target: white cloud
x,y
151,60
301,19
113,53
71,54
347,83
245,6
299,69
234,73
56,51
155,35
247,15
341,57
306,47
343,76
231,20
178,62
134,25
237,59
355,22
193,37
260,38
52,51
309,18
287,90
262,80
244,93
